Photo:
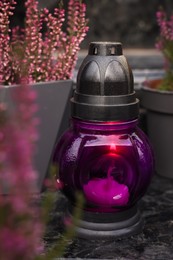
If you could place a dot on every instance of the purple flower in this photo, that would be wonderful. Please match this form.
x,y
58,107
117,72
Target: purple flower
x,y
41,57
21,227
165,41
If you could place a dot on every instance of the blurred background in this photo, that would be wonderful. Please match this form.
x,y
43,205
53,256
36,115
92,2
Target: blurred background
x,y
132,22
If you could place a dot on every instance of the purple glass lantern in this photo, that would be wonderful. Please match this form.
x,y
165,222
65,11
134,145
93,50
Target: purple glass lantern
x,y
104,154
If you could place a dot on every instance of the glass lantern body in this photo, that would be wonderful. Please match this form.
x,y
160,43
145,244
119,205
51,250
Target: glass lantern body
x,y
111,163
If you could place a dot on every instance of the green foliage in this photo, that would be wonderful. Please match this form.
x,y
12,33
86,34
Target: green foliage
x,y
48,203
59,247
167,82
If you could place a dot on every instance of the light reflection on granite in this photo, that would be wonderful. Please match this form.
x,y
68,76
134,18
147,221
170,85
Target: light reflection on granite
x,y
155,242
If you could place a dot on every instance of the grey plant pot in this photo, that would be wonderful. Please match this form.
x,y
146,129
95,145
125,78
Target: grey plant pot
x,y
54,112
159,105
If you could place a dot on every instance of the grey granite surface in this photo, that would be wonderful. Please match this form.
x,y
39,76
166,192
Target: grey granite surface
x,y
155,242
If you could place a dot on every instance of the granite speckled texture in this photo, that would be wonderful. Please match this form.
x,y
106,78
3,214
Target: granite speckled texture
x,y
155,242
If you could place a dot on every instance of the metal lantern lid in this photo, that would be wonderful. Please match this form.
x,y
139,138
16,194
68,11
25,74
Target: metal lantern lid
x,y
105,88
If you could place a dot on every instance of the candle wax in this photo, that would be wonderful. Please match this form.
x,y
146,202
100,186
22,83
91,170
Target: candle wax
x,y
106,192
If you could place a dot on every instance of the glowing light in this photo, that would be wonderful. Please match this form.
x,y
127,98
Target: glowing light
x,y
112,147
112,123
106,192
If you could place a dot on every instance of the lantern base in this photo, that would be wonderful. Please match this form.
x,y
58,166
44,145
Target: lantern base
x,y
109,225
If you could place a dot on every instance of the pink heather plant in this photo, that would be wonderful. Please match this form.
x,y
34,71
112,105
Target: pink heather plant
x,y
165,44
21,230
38,57
42,57
22,218
6,10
